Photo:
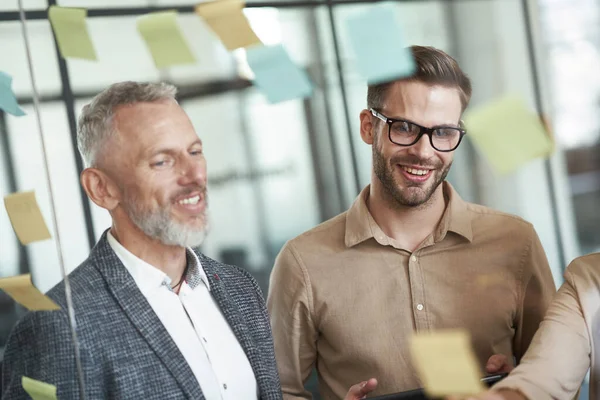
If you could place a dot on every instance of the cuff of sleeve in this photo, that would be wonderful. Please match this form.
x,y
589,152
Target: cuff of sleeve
x,y
527,389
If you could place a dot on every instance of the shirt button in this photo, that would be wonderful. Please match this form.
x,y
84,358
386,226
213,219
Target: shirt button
x,y
413,258
420,307
225,386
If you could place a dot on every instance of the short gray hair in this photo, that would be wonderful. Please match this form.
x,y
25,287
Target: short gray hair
x,y
95,125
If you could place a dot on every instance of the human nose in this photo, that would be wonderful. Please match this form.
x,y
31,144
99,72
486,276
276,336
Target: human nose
x,y
422,148
193,170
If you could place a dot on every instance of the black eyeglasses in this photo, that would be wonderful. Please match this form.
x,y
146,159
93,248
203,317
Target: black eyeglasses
x,y
406,133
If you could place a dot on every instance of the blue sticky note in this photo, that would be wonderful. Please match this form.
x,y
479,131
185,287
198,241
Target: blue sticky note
x,y
276,75
8,102
378,43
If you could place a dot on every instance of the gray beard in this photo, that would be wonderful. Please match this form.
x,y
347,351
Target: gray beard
x,y
159,225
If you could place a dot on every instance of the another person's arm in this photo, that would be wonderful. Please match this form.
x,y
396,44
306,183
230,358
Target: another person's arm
x,y
559,356
290,306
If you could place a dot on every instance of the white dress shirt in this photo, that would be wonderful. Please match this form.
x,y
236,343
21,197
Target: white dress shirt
x,y
196,325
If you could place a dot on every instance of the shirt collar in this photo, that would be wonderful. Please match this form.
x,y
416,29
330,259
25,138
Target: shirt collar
x,y
361,226
148,277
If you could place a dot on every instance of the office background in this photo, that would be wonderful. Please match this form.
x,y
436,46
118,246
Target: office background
x,y
278,170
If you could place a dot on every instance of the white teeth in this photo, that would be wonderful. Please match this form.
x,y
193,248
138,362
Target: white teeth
x,y
191,200
415,171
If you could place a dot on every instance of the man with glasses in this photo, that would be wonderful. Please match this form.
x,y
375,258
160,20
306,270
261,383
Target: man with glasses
x,y
409,255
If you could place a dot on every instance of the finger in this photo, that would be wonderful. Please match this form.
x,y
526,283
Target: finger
x,y
496,363
360,390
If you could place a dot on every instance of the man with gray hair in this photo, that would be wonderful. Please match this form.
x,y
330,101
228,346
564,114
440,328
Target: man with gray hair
x,y
156,319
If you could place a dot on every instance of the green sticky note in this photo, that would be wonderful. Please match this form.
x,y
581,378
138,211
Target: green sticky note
x,y
378,43
8,102
38,390
71,33
508,133
276,75
164,39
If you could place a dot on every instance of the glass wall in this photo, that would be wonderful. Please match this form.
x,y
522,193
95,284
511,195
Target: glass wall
x,y
278,170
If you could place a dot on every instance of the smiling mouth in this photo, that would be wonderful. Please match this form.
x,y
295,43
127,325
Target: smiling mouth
x,y
190,200
415,171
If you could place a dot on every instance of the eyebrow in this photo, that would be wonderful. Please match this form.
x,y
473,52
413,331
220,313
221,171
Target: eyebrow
x,y
456,126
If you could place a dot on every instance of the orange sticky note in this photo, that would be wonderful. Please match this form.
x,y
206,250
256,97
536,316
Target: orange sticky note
x,y
26,217
226,19
21,289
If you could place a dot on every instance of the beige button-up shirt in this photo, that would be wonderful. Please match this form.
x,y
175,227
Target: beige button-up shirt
x,y
568,340
346,299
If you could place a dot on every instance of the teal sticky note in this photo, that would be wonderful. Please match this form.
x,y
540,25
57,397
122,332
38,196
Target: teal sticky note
x,y
8,102
378,43
276,75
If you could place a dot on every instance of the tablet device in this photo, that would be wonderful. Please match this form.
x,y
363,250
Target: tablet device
x,y
419,394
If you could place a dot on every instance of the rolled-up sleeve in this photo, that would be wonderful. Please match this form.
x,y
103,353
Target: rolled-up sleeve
x,y
559,355
291,309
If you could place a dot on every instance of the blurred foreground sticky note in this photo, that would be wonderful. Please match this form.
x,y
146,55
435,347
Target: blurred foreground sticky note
x,y
276,75
226,19
70,30
164,39
38,390
377,40
23,292
26,217
8,102
446,364
508,133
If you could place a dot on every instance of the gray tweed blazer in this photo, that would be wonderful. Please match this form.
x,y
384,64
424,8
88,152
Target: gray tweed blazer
x,y
126,352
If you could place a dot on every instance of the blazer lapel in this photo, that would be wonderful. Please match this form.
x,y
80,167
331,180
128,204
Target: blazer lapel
x,y
140,313
234,318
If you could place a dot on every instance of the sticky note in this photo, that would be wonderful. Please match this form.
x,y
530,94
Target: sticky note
x,y
226,19
164,39
508,133
376,37
23,292
71,32
276,75
8,102
26,217
446,363
38,390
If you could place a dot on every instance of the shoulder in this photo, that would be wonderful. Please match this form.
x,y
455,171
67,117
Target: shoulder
x,y
86,284
584,268
330,233
488,222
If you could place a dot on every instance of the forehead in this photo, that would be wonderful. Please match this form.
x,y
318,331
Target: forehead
x,y
424,103
154,123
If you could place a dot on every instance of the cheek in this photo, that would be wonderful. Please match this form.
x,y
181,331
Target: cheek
x,y
447,158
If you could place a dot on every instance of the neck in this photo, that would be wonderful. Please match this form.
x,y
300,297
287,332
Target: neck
x,y
408,226
169,259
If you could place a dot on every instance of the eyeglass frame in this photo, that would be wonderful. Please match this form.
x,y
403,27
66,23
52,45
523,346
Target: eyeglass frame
x,y
422,130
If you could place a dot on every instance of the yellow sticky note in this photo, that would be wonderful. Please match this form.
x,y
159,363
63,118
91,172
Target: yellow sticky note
x,y
164,39
226,19
508,133
26,217
38,390
70,30
23,292
446,363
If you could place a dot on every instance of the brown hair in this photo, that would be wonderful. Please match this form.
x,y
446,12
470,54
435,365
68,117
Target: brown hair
x,y
433,66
